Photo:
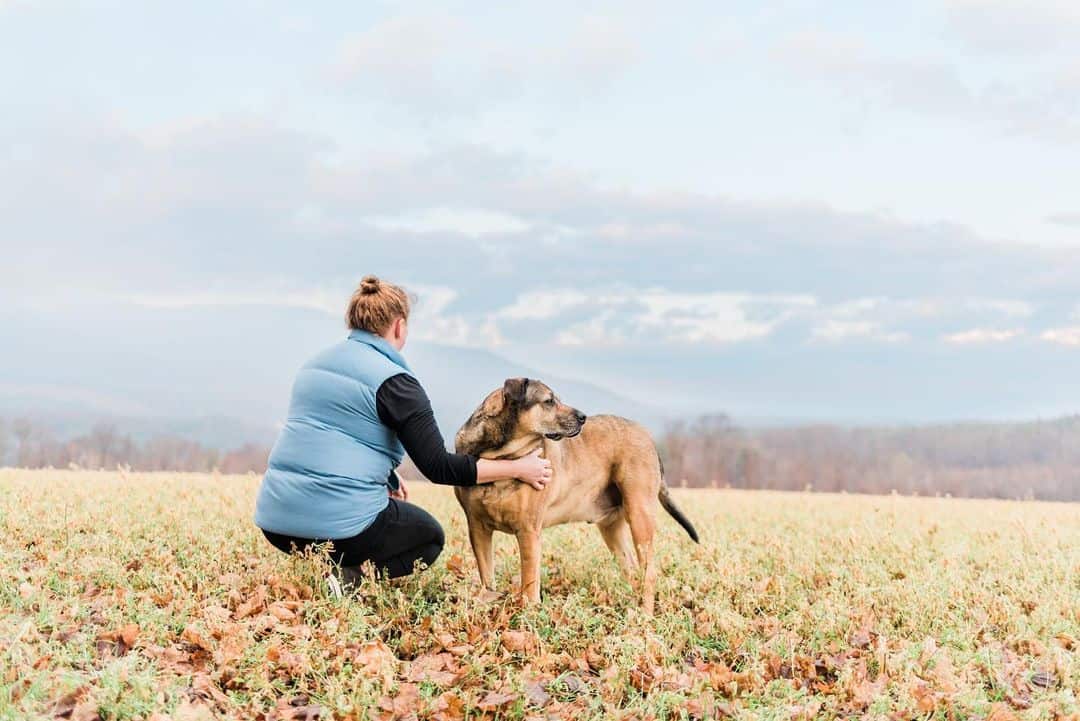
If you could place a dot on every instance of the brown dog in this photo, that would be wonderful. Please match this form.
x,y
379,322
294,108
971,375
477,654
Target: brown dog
x,y
606,472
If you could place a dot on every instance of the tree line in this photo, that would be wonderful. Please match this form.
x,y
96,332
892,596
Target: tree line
x,y
998,460
26,444
1038,459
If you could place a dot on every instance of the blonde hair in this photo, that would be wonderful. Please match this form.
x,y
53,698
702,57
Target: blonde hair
x,y
375,305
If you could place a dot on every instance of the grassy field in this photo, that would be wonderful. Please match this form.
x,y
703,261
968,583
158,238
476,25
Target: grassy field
x,y
152,596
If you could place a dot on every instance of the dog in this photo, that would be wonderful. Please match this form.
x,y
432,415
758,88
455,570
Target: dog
x,y
605,471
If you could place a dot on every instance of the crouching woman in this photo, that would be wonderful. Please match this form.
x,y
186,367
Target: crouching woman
x,y
356,408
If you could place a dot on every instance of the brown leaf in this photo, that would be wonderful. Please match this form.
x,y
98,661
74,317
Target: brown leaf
x,y
1066,641
644,677
404,704
519,641
440,669
281,612
85,711
129,634
65,705
374,658
456,565
496,700
1001,712
860,639
448,707
536,694
194,637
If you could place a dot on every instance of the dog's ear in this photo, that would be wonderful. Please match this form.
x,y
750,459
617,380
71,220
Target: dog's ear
x,y
494,404
514,390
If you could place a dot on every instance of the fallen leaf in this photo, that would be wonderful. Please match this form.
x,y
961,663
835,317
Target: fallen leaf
x,y
1001,712
192,636
1044,679
496,700
456,565
519,641
129,634
536,694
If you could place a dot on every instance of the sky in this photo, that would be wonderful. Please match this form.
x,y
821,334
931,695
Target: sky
x,y
816,210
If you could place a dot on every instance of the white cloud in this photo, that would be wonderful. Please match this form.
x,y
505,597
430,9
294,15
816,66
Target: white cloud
x,y
717,317
1011,308
454,64
1015,27
465,221
1067,336
433,321
842,330
543,304
978,336
597,331
1069,220
319,300
1036,106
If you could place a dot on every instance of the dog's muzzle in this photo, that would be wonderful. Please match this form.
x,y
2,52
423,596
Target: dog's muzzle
x,y
571,434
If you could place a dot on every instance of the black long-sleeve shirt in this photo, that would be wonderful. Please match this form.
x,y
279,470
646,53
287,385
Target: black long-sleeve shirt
x,y
404,407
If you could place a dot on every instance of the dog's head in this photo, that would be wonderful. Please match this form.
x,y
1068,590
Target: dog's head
x,y
521,408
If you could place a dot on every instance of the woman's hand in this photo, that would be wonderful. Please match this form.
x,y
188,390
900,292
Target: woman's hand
x,y
402,493
533,469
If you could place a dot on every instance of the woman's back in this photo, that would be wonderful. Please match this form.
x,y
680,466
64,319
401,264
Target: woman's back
x,y
327,473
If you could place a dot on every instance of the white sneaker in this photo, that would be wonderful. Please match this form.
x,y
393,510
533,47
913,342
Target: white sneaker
x,y
335,586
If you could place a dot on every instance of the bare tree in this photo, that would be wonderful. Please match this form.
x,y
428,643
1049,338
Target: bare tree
x,y
103,441
4,442
24,430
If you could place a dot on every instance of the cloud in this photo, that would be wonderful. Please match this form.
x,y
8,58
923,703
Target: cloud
x,y
434,63
432,318
598,331
1039,106
243,211
319,300
620,316
717,317
543,304
844,330
1066,336
1014,27
979,336
1069,220
465,221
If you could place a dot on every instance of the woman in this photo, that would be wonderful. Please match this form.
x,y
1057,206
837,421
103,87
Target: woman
x,y
356,408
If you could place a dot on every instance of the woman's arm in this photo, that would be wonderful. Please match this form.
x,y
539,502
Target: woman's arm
x,y
531,469
404,407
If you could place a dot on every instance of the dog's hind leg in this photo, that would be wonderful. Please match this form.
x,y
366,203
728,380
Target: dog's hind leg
x,y
616,533
642,520
480,535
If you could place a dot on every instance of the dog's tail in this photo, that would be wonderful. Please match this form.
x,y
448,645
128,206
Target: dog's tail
x,y
670,507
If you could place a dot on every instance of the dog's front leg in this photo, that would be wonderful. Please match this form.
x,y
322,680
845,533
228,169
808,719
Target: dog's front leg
x,y
529,547
480,535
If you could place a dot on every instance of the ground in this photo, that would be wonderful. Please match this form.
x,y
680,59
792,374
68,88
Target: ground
x,y
126,596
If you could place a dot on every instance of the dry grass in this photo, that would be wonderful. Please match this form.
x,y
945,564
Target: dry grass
x,y
122,597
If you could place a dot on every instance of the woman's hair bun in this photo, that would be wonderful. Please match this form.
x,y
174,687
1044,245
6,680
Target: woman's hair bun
x,y
369,285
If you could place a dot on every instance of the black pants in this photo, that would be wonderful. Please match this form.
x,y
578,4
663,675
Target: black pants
x,y
399,537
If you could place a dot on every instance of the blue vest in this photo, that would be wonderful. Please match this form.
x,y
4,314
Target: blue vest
x,y
328,471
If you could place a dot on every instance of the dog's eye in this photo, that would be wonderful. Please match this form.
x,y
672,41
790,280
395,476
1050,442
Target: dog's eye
x,y
549,402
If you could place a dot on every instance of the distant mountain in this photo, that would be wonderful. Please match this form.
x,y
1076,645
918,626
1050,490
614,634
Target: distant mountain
x,y
458,379
175,372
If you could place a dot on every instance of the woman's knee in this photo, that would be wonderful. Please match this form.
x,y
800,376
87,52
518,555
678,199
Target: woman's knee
x,y
430,552
438,536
